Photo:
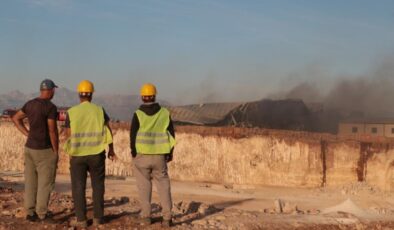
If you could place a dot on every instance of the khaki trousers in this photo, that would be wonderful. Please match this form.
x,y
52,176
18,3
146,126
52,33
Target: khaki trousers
x,y
146,168
40,174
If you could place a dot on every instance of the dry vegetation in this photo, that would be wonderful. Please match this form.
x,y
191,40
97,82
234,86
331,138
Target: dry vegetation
x,y
11,147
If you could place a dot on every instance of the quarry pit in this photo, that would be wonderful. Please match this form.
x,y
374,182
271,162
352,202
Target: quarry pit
x,y
254,170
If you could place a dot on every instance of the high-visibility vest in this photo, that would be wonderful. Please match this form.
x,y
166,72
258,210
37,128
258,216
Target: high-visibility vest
x,y
89,134
153,136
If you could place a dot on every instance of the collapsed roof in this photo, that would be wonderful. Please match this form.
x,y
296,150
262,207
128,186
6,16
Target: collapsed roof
x,y
202,114
277,114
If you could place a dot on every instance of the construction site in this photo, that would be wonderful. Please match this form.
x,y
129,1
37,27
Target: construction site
x,y
209,114
231,178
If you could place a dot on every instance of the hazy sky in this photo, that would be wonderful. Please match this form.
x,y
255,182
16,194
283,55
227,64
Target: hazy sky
x,y
201,50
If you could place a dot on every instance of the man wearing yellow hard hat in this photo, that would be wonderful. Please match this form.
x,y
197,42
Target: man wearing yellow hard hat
x,y
89,134
152,140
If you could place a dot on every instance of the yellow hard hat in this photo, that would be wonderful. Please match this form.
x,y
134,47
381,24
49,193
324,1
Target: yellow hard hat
x,y
85,86
148,89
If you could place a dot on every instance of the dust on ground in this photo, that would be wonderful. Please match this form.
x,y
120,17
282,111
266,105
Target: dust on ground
x,y
212,206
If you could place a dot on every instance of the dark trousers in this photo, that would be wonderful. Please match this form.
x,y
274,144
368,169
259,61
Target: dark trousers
x,y
79,167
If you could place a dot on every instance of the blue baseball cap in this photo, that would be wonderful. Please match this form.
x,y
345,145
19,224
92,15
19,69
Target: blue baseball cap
x,y
47,84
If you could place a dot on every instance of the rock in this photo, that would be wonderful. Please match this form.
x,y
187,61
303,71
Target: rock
x,y
4,205
19,213
124,199
211,222
199,222
278,206
206,185
220,218
313,211
220,226
228,186
289,208
204,209
270,210
296,212
6,213
360,226
12,201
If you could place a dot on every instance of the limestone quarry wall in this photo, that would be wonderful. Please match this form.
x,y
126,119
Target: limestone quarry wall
x,y
243,156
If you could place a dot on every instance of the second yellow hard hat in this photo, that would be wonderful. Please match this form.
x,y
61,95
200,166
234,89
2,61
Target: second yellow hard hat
x,y
148,89
85,86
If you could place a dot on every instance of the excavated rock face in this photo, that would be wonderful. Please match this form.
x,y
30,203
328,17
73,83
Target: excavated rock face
x,y
244,156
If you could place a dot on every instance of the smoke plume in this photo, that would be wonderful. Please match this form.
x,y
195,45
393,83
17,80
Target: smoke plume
x,y
367,96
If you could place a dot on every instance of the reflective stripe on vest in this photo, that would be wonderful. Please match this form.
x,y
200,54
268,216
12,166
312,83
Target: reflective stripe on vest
x,y
152,135
89,135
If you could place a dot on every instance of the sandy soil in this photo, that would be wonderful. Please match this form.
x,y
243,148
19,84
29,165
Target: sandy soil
x,y
212,206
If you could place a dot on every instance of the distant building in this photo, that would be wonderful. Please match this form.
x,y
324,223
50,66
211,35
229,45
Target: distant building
x,y
202,114
286,114
61,113
378,127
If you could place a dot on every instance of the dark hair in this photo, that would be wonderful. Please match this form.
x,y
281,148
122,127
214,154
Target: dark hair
x,y
148,99
85,95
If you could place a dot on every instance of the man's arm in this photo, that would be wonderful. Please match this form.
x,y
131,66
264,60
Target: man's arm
x,y
18,121
53,135
111,151
171,129
135,125
169,157
67,133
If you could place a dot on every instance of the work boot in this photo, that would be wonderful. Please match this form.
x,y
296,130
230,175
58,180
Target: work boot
x,y
166,223
79,224
97,221
32,218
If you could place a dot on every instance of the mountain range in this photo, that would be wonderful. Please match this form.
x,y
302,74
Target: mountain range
x,y
118,107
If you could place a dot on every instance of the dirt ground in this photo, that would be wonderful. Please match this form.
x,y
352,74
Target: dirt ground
x,y
212,206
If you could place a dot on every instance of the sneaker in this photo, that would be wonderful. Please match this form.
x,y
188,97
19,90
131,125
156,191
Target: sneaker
x,y
166,223
32,218
145,221
80,224
97,221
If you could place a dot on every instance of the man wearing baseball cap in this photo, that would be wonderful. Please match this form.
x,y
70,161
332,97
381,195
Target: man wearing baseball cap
x,y
41,151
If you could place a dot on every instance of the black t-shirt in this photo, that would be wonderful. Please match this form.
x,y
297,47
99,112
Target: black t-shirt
x,y
38,112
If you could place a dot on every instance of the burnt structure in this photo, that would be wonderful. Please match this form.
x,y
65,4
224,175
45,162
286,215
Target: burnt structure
x,y
274,114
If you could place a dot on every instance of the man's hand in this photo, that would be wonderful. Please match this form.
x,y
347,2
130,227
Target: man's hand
x,y
111,155
168,157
